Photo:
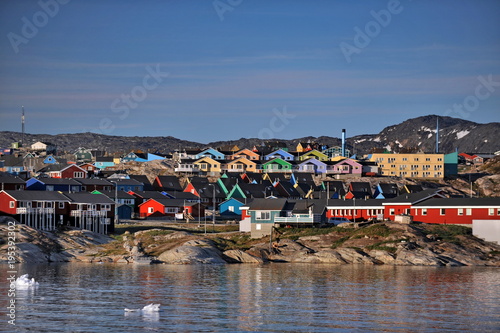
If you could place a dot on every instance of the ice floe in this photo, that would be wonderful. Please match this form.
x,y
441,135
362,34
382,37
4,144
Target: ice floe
x,y
24,282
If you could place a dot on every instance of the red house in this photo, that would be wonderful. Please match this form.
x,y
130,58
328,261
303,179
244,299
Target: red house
x,y
355,210
403,203
456,210
170,207
64,171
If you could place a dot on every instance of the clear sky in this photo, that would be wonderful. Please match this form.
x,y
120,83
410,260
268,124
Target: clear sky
x,y
221,70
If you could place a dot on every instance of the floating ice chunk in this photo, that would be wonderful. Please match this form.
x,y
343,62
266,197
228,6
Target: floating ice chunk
x,y
148,308
151,308
24,282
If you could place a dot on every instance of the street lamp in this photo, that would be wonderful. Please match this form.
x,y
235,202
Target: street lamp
x,y
213,205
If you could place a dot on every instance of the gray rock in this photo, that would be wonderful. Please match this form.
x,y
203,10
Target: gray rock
x,y
193,252
242,257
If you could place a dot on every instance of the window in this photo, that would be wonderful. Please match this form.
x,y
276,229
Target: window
x,y
12,204
84,188
468,211
231,209
77,174
424,211
39,204
491,211
171,209
407,211
262,215
151,210
442,211
391,211
258,226
106,207
498,212
460,211
49,188
48,204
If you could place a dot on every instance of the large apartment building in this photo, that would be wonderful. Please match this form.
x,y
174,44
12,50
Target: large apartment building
x,y
433,166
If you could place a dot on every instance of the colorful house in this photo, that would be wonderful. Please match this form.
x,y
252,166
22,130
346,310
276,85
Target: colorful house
x,y
171,208
402,204
208,165
53,184
355,210
212,153
277,165
346,166
11,182
313,154
246,153
231,208
312,165
241,165
63,171
50,159
104,162
280,153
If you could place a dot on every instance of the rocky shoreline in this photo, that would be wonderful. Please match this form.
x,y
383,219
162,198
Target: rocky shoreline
x,y
376,244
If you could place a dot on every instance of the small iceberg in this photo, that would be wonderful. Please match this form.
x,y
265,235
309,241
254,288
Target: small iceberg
x,y
148,308
24,282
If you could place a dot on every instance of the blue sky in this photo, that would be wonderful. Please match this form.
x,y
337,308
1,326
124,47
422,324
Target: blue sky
x,y
221,70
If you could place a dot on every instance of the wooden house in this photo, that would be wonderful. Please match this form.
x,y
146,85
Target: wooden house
x,y
53,184
11,182
346,166
212,153
104,162
241,165
313,154
277,165
37,209
231,208
94,184
280,153
403,203
312,165
245,153
355,210
386,191
169,184
359,190
208,165
94,212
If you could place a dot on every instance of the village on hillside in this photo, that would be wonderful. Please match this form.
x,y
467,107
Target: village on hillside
x,y
309,185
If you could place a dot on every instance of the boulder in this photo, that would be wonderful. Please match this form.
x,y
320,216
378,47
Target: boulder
x,y
199,251
239,256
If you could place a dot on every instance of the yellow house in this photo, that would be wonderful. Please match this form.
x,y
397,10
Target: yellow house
x,y
207,164
410,165
313,154
242,164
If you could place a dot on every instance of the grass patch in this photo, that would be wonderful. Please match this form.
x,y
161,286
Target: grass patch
x,y
449,233
339,242
241,242
380,230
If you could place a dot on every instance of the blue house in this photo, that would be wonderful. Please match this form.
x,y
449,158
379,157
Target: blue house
x,y
134,157
284,155
231,208
104,162
152,157
53,184
127,184
50,160
212,153
262,214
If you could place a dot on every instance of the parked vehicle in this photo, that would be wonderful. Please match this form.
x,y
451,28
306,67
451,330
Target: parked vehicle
x,y
338,220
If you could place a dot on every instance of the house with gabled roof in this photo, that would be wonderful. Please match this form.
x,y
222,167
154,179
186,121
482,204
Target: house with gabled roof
x,y
246,153
312,165
346,166
403,203
37,209
90,168
47,147
208,165
95,184
170,208
168,184
212,153
104,162
280,153
359,190
335,189
11,182
83,155
252,177
231,208
287,190
144,180
94,212
335,151
134,157
127,184
251,191
241,165
313,154
412,188
53,184
50,159
277,165
63,171
187,166
386,191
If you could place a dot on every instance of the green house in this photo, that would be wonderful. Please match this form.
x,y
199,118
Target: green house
x,y
314,154
276,165
262,214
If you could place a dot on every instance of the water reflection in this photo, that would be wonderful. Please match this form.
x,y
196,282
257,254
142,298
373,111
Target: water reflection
x,y
270,298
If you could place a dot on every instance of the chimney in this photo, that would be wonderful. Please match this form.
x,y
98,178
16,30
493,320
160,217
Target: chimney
x,y
343,142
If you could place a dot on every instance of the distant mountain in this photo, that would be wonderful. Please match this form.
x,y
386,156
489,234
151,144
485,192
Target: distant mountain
x,y
417,134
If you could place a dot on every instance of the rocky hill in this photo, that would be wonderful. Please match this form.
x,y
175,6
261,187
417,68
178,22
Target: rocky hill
x,y
417,134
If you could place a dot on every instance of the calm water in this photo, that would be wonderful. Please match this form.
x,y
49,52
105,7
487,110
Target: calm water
x,y
257,298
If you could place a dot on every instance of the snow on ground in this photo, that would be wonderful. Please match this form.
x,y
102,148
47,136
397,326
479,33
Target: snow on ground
x,y
377,139
461,134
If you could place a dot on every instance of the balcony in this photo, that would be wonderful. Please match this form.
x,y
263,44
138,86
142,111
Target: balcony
x,y
87,213
296,219
26,210
187,168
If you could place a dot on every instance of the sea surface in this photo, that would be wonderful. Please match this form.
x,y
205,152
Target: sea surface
x,y
254,298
